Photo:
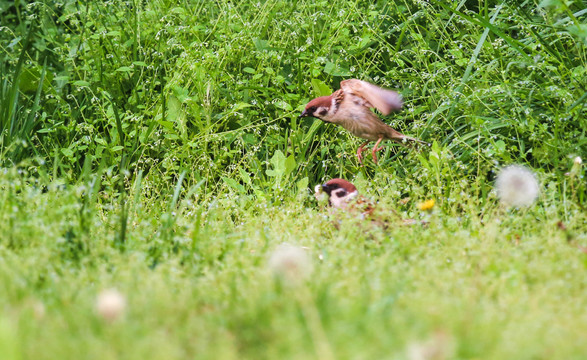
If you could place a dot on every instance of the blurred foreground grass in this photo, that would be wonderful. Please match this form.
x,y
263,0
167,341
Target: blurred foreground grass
x,y
490,283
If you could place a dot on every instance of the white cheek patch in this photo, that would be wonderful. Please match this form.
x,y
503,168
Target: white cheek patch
x,y
321,111
342,201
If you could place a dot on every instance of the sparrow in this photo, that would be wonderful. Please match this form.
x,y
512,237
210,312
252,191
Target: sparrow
x,y
350,107
343,195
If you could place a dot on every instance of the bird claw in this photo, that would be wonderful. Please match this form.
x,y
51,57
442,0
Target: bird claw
x,y
360,151
374,157
376,149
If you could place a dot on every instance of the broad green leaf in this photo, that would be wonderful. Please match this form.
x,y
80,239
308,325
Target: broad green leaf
x,y
278,162
579,30
283,105
551,3
233,184
67,152
500,146
100,141
81,83
302,186
320,88
166,124
310,134
336,69
261,44
290,165
245,176
240,106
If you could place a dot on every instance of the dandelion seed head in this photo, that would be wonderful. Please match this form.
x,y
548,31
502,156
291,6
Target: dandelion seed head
x,y
578,160
290,263
439,346
38,309
516,185
110,304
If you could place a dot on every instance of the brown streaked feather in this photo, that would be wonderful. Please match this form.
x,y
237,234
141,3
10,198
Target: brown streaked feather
x,y
383,100
338,95
365,207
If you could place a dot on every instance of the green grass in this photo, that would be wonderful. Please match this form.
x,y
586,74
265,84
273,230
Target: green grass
x,y
507,285
155,148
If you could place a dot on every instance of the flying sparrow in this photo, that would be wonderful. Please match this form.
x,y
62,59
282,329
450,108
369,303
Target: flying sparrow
x,y
343,195
350,106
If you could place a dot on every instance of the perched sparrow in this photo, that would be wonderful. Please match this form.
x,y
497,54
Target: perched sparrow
x,y
350,108
343,195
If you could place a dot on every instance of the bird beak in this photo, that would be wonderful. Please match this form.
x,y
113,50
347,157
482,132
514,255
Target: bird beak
x,y
304,113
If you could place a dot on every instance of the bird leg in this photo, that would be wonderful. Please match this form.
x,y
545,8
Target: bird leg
x,y
375,149
360,150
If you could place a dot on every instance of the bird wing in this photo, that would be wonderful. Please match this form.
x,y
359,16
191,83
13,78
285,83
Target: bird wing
x,y
383,100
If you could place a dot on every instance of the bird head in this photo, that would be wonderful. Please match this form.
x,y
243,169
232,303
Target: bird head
x,y
338,191
318,108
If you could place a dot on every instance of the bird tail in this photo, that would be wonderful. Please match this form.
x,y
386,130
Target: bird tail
x,y
414,140
396,136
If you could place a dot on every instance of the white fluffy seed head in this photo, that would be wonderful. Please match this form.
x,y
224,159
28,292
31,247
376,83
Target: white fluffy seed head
x,y
578,160
38,310
290,263
439,346
110,304
516,185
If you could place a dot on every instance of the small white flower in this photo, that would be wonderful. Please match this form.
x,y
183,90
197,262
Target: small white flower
x,y
110,304
516,185
578,160
290,263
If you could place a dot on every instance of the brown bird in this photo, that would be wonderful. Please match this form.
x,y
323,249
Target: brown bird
x,y
343,195
340,193
350,106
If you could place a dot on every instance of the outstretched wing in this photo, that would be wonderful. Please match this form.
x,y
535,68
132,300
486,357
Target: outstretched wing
x,y
383,100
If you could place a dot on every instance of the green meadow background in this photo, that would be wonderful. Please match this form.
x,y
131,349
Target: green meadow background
x,y
155,147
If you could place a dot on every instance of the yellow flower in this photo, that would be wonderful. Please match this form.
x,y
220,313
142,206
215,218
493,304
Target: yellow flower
x,y
426,205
